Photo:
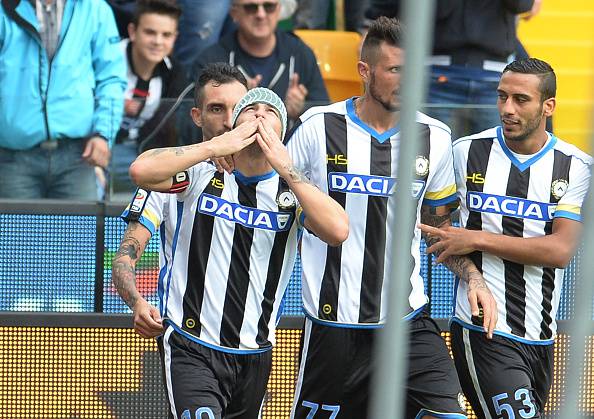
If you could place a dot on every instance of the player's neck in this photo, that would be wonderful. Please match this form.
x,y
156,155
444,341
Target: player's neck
x,y
372,113
531,145
251,162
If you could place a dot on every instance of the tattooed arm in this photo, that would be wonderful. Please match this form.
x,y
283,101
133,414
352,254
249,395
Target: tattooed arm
x,y
479,294
155,169
147,321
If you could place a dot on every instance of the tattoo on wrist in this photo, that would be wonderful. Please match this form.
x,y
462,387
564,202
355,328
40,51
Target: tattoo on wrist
x,y
296,175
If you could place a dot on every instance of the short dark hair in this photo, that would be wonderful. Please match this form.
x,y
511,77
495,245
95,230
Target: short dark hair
x,y
219,73
160,7
540,68
383,29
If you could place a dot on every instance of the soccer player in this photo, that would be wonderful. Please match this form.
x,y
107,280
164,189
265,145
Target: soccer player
x,y
217,91
229,247
350,149
521,190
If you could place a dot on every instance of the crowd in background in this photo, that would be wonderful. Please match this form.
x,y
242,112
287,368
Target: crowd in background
x,y
85,86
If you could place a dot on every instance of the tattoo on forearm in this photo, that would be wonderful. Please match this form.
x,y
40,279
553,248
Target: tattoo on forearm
x,y
123,273
296,175
430,217
179,151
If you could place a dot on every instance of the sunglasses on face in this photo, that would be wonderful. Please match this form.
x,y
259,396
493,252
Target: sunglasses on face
x,y
252,8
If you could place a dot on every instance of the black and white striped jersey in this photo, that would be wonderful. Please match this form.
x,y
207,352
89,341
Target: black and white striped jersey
x,y
357,166
518,195
227,253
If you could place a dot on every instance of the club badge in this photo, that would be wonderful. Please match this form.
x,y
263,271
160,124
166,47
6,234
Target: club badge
x,y
286,200
421,166
559,188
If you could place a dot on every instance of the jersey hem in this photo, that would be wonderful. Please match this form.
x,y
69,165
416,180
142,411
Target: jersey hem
x,y
194,339
569,215
502,334
440,202
410,316
149,225
440,415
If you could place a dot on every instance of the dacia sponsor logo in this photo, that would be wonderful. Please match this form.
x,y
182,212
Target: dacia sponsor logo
x,y
510,206
246,216
368,185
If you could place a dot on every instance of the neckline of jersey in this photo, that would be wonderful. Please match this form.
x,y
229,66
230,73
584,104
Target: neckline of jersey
x,y
247,180
350,106
537,156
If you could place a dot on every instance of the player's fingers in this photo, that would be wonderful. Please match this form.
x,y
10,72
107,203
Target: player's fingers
x,y
294,80
227,164
436,247
303,90
472,300
443,256
430,230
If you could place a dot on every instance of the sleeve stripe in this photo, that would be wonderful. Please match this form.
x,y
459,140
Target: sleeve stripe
x,y
567,214
440,202
444,193
576,209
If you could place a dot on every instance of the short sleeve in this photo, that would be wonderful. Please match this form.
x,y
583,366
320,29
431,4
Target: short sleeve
x,y
306,153
147,208
570,204
441,187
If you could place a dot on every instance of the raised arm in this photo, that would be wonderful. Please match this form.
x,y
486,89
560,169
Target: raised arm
x,y
155,169
478,291
323,216
147,321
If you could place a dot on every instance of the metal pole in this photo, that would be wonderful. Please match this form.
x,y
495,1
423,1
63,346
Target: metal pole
x,y
392,344
581,325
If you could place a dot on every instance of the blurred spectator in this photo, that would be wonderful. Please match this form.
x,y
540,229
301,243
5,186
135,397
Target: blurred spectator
x,y
313,14
200,26
62,78
269,57
473,42
152,77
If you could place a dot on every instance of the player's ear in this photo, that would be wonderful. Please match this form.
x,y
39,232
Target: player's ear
x,y
363,70
197,116
548,106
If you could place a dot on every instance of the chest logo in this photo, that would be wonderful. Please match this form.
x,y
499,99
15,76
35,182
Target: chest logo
x,y
421,166
559,188
286,200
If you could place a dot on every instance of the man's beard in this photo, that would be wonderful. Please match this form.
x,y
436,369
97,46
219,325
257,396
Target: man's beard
x,y
374,93
531,126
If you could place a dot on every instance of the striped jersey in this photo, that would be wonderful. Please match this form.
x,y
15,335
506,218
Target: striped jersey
x,y
503,192
227,251
357,166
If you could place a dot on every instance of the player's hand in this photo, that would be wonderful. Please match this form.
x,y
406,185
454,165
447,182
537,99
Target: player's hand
x,y
295,98
253,81
452,241
224,164
482,303
96,152
233,141
274,150
147,320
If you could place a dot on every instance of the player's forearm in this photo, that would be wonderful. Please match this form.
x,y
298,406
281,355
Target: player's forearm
x,y
550,250
323,215
153,169
123,276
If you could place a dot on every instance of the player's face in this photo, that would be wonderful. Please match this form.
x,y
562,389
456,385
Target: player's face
x,y
520,107
154,36
261,110
384,77
216,112
256,19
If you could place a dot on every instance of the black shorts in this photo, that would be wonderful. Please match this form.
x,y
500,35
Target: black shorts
x,y
204,383
336,365
502,375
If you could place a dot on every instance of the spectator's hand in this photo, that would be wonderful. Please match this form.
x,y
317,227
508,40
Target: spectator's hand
x,y
147,320
132,107
254,82
96,152
534,11
295,99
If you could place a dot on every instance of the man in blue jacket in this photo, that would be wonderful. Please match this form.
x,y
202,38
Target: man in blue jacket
x,y
269,57
62,78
